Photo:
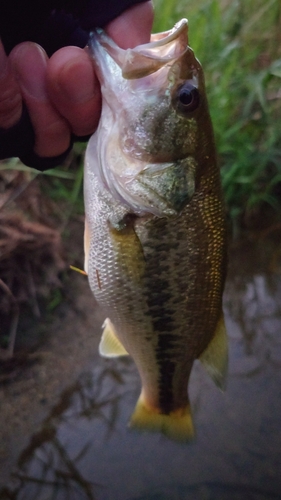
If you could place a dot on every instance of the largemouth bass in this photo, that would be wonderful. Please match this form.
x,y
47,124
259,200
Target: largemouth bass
x,y
155,238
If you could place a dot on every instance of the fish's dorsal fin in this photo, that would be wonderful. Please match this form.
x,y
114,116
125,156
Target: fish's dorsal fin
x,y
110,346
215,357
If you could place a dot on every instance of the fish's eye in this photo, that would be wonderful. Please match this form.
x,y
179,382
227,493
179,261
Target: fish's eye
x,y
187,98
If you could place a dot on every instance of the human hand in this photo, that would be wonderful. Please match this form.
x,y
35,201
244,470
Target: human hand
x,y
62,93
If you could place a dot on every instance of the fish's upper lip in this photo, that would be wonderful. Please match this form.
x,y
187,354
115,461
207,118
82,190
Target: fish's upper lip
x,y
159,39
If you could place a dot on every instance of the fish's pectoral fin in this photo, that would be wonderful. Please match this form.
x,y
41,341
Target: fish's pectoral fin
x,y
177,425
215,356
110,346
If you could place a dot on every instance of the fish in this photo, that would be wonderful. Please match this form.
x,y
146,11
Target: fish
x,y
155,230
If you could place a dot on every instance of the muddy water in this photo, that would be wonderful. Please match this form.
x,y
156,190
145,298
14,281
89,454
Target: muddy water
x,y
84,449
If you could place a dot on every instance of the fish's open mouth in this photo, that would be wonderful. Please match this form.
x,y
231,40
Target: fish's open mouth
x,y
141,61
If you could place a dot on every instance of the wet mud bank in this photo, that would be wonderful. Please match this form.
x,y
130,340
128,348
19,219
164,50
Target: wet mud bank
x,y
33,381
64,412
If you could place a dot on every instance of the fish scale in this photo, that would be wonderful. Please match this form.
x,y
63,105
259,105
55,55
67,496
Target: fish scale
x,y
155,240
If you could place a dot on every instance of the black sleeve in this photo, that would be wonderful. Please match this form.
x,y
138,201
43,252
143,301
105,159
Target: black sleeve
x,y
53,24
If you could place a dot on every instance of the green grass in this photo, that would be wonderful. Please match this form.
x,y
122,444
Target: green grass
x,y
239,45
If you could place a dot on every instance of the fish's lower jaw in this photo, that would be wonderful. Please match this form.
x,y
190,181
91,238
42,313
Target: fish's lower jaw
x,y
176,425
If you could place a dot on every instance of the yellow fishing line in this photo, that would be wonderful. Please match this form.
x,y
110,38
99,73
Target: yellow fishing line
x,y
78,270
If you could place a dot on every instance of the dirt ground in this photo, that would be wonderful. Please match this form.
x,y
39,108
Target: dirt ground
x,y
68,342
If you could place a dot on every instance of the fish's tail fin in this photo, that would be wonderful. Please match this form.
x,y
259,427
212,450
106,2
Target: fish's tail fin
x,y
176,425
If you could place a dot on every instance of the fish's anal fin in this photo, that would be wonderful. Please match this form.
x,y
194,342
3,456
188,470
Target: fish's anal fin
x,y
177,425
215,357
110,346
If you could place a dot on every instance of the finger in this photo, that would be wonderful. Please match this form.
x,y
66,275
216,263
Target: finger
x,y
74,89
10,95
133,27
52,133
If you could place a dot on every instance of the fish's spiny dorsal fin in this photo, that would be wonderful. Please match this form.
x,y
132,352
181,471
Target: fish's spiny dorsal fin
x,y
215,357
110,346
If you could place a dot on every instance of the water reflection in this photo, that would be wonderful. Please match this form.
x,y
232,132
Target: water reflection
x,y
49,468
85,451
